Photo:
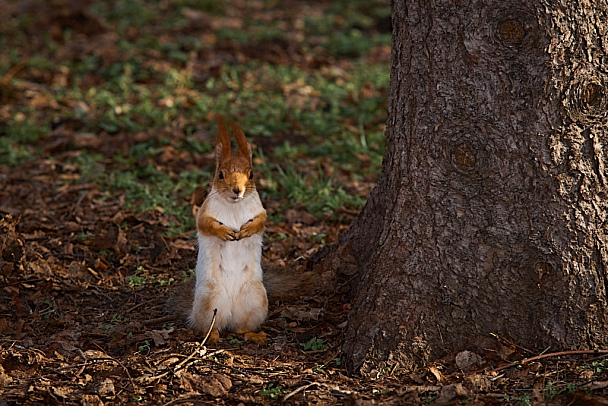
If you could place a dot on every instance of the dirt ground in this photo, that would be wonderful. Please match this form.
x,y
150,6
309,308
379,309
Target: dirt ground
x,y
76,330
85,282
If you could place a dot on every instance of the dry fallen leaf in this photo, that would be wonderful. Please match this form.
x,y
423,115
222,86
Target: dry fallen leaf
x,y
160,337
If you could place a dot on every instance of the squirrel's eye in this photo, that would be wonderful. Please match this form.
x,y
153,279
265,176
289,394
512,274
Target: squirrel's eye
x,y
221,175
251,175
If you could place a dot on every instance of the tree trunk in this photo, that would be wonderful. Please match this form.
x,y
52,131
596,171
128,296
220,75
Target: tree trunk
x,y
490,214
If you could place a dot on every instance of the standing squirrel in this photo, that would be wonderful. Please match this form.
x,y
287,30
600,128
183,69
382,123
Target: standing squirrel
x,y
229,279
230,224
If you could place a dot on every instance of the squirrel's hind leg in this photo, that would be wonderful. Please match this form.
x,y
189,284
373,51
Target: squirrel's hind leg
x,y
259,337
214,337
252,311
210,310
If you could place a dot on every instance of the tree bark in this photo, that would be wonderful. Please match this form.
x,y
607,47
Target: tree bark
x,y
490,214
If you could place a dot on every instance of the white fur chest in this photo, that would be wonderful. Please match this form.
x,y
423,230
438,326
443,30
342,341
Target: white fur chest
x,y
233,263
233,214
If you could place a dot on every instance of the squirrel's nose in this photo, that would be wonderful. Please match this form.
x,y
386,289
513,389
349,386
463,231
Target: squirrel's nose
x,y
236,191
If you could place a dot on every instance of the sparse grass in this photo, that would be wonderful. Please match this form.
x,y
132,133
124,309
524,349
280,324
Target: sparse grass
x,y
142,277
336,114
272,391
187,275
48,309
314,191
597,367
524,400
314,344
18,138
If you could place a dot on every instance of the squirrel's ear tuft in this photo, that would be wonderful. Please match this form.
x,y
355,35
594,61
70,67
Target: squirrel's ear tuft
x,y
223,138
249,153
241,141
218,155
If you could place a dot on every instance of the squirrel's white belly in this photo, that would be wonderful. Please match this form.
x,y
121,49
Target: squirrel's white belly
x,y
229,273
232,261
229,276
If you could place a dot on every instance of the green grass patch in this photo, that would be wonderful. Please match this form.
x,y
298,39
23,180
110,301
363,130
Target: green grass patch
x,y
318,194
272,391
314,344
19,138
146,188
320,127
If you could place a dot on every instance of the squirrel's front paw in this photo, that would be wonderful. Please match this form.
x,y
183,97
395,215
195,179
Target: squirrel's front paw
x,y
247,230
226,233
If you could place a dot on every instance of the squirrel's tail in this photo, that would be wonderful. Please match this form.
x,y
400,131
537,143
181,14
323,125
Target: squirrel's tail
x,y
180,303
284,285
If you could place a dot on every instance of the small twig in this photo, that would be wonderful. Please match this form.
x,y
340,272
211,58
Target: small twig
x,y
553,354
165,241
186,362
198,347
8,76
158,320
187,398
558,354
240,371
210,327
79,201
30,281
179,366
298,390
140,304
205,356
96,290
90,361
509,342
85,358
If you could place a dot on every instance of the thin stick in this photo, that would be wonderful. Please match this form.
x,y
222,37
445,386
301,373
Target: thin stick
x,y
557,354
162,319
201,344
210,327
298,390
186,362
84,357
553,354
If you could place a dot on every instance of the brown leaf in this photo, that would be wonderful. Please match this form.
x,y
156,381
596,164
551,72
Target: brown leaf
x,y
505,351
110,237
300,216
466,359
449,392
160,337
297,313
579,398
61,391
4,378
597,385
106,389
480,382
5,326
91,400
216,385
437,374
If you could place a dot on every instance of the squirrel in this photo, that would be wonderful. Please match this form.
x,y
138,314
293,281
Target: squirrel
x,y
229,225
229,284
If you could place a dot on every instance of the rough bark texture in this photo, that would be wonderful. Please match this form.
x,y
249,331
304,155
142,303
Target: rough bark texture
x,y
490,215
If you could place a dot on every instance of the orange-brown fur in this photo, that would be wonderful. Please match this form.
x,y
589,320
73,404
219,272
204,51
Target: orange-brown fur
x,y
199,297
230,223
